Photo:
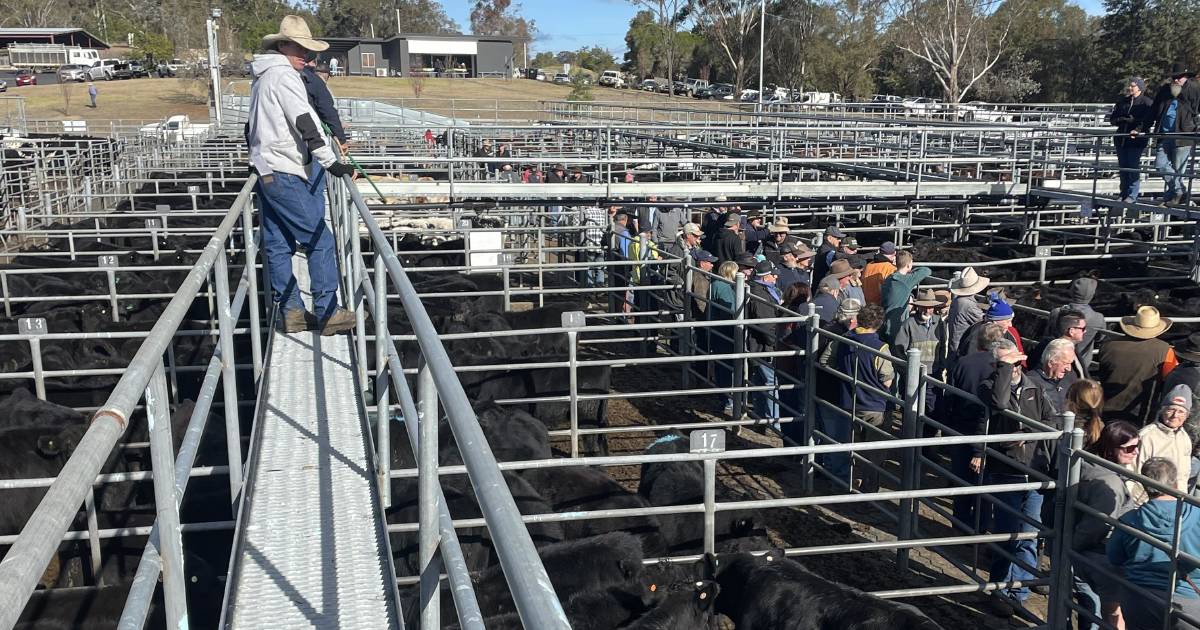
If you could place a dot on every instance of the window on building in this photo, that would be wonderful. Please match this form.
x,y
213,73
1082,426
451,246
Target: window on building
x,y
368,60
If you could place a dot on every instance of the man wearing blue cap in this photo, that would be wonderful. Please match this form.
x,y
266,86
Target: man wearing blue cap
x,y
699,289
999,315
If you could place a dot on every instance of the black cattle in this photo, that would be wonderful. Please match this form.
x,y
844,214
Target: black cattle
x,y
578,489
512,435
97,607
22,409
770,592
575,566
476,542
682,483
686,609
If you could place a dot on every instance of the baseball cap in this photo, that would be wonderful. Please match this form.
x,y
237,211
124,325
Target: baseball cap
x,y
835,232
850,242
699,255
887,248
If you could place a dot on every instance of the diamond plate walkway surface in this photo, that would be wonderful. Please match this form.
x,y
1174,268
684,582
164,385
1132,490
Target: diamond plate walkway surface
x,y
312,549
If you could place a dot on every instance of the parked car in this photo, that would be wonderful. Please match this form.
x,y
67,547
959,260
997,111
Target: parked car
x,y
103,70
175,129
979,111
679,88
695,85
648,85
72,72
721,92
3,85
562,78
540,75
920,105
748,96
612,79
26,77
138,70
122,70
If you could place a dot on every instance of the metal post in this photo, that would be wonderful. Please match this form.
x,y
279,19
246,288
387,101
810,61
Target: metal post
x,y
233,430
912,388
739,345
383,406
812,324
685,333
573,321
166,499
93,528
1064,519
427,489
252,290
710,500
111,277
35,354
762,39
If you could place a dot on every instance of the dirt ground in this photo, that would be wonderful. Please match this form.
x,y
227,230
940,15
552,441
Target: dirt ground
x,y
808,526
153,99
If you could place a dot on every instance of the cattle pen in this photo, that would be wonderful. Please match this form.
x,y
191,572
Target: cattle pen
x,y
488,311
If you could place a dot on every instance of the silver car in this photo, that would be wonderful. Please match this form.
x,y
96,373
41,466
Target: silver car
x,y
72,72
3,85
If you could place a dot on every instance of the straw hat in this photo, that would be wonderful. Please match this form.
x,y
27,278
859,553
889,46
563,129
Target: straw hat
x,y
927,297
779,226
1146,324
293,28
969,283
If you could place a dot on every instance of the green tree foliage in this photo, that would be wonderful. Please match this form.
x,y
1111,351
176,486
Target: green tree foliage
x,y
501,17
356,18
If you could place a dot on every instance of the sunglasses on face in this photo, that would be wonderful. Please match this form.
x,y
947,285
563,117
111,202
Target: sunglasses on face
x,y
1129,448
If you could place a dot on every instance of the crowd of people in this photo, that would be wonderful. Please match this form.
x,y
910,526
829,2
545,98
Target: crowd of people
x,y
1129,390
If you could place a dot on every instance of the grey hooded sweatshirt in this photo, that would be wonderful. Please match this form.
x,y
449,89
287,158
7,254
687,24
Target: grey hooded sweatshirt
x,y
282,130
1079,296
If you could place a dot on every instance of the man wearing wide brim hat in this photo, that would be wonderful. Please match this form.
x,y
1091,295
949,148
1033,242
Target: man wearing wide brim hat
x,y
1174,112
284,136
964,309
925,331
772,246
1133,369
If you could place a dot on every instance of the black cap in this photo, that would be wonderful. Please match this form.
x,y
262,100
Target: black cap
x,y
764,268
746,260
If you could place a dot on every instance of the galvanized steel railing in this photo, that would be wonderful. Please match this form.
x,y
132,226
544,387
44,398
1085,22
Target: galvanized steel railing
x,y
143,378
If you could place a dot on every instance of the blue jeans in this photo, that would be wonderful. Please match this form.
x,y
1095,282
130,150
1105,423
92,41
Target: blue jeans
x,y
1087,598
766,404
1129,158
1029,503
1171,162
290,219
837,427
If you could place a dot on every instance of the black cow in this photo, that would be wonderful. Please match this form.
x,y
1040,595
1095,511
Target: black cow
x,y
476,542
770,592
686,609
682,483
101,606
23,409
575,566
577,488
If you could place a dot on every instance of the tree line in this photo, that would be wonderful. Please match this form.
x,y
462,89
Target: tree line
x,y
957,50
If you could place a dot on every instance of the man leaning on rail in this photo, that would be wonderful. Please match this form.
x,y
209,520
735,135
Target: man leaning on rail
x,y
284,138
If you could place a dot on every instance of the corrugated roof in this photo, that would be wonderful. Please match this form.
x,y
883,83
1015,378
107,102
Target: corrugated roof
x,y
43,32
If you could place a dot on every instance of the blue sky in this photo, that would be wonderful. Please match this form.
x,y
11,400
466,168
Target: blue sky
x,y
566,24
570,24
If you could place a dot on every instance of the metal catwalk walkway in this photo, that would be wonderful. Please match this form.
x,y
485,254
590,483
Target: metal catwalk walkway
x,y
311,549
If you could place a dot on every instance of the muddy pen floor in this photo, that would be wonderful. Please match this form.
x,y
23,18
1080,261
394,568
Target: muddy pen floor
x,y
808,526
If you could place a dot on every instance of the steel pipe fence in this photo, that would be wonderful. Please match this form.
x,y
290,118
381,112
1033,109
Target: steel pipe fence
x,y
145,376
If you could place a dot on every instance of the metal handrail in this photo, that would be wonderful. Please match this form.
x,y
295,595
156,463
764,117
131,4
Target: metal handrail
x,y
533,594
39,539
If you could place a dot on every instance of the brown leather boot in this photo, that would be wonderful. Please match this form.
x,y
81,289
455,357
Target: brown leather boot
x,y
297,320
341,321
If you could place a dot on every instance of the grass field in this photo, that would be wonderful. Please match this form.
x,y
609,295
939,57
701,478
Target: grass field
x,y
155,99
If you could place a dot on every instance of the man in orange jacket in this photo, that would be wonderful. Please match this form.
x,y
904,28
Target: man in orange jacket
x,y
876,271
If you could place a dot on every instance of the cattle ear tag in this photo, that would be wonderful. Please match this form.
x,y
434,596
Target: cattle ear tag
x,y
703,595
653,588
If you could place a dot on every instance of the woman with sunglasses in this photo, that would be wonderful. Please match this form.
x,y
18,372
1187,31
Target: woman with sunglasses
x,y
1104,491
